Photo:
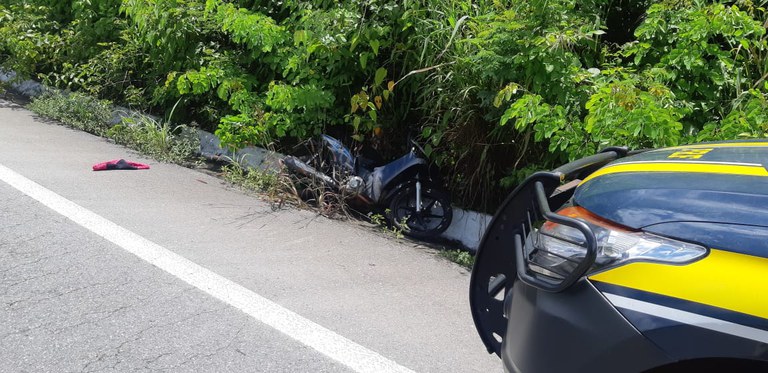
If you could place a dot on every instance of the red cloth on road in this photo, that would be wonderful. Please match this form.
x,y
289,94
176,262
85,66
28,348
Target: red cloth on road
x,y
119,164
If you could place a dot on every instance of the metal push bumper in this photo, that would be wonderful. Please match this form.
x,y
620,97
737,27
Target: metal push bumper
x,y
496,267
501,266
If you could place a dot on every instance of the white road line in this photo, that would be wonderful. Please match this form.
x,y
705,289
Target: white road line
x,y
325,341
689,318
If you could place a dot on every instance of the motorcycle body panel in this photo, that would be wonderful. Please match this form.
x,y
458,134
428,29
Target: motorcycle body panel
x,y
383,179
340,154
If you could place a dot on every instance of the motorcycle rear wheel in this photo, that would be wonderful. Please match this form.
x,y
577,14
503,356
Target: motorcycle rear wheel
x,y
435,215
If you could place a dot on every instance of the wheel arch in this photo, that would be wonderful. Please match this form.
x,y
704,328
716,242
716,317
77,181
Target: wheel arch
x,y
401,181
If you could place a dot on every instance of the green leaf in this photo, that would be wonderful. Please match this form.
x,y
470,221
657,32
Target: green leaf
x,y
375,46
508,114
744,43
497,101
381,73
363,60
300,36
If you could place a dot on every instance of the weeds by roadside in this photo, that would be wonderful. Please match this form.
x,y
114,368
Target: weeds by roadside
x,y
383,223
252,180
277,187
159,140
75,110
459,257
330,202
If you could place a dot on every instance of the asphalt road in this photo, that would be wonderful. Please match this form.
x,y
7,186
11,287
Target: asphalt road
x,y
169,269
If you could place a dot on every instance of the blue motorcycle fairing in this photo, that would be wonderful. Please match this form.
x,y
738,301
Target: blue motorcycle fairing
x,y
382,178
341,154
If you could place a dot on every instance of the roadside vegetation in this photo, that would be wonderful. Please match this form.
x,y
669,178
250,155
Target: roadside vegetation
x,y
250,179
157,139
459,257
494,89
76,110
160,140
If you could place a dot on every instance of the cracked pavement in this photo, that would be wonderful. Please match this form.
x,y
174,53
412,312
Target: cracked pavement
x,y
71,301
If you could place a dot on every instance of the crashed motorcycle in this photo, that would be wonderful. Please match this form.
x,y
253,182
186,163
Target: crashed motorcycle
x,y
407,189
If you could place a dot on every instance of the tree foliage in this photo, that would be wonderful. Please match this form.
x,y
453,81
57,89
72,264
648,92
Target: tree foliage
x,y
493,88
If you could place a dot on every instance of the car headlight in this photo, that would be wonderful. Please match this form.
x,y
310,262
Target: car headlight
x,y
554,250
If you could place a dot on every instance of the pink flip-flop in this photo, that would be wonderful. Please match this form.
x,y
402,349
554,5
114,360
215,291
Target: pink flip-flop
x,y
119,164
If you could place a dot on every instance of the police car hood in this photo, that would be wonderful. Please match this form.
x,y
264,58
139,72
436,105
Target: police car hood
x,y
723,183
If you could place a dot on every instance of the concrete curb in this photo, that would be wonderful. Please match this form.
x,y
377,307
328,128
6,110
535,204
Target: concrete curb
x,y
467,227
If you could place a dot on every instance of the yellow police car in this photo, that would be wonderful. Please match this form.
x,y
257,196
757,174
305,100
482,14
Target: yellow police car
x,y
630,262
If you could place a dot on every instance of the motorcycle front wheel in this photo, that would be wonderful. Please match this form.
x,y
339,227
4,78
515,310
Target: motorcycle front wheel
x,y
433,218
